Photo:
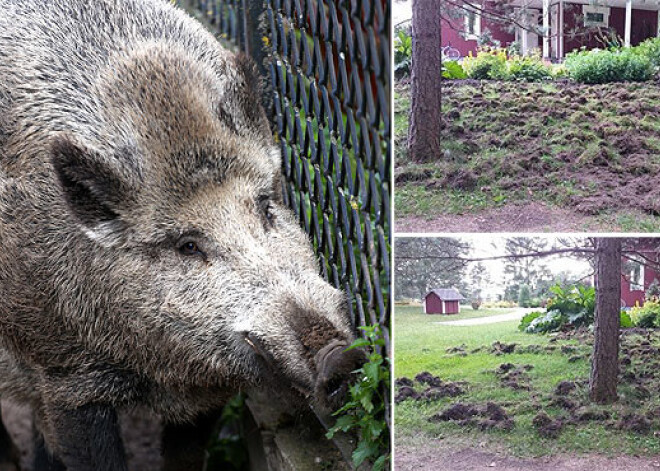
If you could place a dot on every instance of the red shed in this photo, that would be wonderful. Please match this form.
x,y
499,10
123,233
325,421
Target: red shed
x,y
443,301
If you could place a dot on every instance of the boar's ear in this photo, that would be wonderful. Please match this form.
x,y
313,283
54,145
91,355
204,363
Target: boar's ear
x,y
94,189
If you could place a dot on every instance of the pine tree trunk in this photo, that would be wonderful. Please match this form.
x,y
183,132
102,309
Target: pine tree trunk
x,y
425,113
605,362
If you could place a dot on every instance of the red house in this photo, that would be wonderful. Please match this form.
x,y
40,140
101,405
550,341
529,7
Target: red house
x,y
562,26
443,301
637,277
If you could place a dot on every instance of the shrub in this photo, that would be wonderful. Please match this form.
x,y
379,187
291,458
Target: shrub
x,y
625,320
476,304
570,306
604,66
651,50
646,316
528,69
499,304
402,52
528,318
551,321
489,63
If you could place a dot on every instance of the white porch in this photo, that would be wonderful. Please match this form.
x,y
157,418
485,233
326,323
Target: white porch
x,y
551,17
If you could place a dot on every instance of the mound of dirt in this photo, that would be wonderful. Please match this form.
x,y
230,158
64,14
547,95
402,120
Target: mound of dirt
x,y
427,378
546,426
514,376
492,416
499,348
456,412
564,388
635,423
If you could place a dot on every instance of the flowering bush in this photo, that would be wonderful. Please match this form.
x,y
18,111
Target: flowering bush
x,y
496,63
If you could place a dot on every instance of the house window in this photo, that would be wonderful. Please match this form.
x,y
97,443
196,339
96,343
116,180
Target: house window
x,y
637,277
596,16
472,25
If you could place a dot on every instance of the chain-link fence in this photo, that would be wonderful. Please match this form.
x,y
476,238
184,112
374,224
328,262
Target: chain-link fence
x,y
327,66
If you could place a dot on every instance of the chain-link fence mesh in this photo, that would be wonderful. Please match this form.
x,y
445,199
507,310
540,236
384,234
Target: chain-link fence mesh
x,y
327,65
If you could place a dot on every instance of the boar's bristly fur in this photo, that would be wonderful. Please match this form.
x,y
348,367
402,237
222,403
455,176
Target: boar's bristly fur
x,y
146,257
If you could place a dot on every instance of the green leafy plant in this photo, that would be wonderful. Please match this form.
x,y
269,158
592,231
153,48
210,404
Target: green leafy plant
x,y
528,318
453,70
551,321
528,69
364,412
489,63
625,320
402,52
571,306
649,49
228,449
646,316
604,66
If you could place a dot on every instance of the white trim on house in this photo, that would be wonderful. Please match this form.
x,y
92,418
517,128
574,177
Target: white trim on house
x,y
546,29
628,26
472,31
596,10
637,284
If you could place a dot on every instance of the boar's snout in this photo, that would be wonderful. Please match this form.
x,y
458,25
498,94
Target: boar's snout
x,y
335,366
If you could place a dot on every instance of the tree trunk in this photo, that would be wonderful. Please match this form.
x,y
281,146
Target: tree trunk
x,y
425,92
605,362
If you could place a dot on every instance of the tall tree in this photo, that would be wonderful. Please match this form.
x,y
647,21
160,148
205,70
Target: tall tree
x,y
423,263
425,89
605,362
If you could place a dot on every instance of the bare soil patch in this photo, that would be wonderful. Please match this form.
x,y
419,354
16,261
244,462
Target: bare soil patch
x,y
437,457
529,217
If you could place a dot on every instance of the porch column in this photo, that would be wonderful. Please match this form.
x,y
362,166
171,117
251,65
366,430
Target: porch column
x,y
658,34
561,29
626,40
546,29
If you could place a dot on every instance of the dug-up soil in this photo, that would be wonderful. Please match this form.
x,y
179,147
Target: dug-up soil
x,y
587,150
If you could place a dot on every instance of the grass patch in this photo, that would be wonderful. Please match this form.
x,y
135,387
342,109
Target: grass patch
x,y
421,345
466,313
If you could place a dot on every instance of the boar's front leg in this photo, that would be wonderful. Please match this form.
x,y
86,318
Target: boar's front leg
x,y
43,459
8,452
184,445
87,438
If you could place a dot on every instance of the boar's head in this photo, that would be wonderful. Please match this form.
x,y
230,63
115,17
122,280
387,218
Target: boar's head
x,y
194,271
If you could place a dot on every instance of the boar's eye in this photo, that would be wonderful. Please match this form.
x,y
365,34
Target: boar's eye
x,y
190,248
266,208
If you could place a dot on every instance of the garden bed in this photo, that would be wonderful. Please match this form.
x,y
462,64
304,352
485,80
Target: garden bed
x,y
593,150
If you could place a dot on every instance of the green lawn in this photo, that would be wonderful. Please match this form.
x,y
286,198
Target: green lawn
x,y
421,345
466,313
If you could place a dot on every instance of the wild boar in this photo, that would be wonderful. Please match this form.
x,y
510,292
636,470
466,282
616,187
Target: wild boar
x,y
147,259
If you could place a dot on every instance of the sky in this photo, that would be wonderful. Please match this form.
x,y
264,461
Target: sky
x,y
493,246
